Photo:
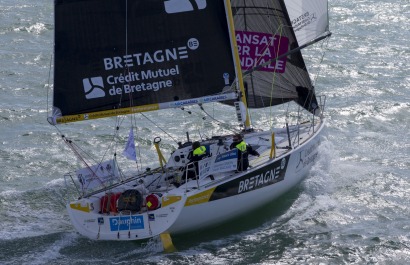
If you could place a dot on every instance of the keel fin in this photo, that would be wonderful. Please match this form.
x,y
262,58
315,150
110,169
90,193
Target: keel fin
x,y
167,243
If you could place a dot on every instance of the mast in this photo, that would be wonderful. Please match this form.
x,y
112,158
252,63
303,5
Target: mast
x,y
238,68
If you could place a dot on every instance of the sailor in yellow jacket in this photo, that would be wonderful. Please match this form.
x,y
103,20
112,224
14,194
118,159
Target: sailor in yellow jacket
x,y
243,152
198,153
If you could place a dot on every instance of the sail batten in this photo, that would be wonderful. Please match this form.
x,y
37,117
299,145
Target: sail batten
x,y
58,118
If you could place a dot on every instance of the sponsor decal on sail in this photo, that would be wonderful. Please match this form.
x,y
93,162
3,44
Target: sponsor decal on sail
x,y
138,81
193,101
139,59
94,87
257,48
303,20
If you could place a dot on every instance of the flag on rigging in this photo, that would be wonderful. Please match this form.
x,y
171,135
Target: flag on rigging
x,y
129,151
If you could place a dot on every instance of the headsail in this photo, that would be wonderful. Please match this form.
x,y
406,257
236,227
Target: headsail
x,y
109,62
264,32
310,19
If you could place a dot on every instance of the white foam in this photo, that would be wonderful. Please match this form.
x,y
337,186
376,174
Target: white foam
x,y
50,254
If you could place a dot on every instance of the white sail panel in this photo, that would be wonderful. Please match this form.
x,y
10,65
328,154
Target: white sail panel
x,y
309,18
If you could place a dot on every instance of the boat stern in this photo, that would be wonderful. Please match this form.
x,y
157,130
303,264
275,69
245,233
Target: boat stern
x,y
91,221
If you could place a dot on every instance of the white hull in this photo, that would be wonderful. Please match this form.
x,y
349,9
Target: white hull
x,y
214,212
196,205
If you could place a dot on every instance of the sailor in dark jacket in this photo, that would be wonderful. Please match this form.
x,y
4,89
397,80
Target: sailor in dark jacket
x,y
243,152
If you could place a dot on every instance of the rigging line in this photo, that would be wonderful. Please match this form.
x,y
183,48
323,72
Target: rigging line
x,y
112,145
213,114
126,27
220,122
159,127
115,141
323,48
251,76
120,120
73,147
287,112
126,45
276,31
198,127
138,147
312,94
81,153
126,69
199,132
274,74
66,139
48,85
203,117
117,134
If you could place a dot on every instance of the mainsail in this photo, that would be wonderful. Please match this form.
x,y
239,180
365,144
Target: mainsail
x,y
125,56
274,68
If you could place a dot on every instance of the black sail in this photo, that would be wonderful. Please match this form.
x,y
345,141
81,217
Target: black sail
x,y
264,32
114,54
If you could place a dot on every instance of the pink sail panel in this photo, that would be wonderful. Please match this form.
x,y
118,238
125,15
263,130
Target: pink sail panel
x,y
257,48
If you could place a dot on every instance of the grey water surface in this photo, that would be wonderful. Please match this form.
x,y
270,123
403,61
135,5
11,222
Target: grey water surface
x,y
353,208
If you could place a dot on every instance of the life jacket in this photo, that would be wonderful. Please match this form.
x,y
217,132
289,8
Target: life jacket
x,y
199,151
241,146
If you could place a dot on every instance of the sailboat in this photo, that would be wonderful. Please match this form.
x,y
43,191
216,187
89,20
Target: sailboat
x,y
121,58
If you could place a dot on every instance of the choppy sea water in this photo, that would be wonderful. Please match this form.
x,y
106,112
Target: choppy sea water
x,y
353,208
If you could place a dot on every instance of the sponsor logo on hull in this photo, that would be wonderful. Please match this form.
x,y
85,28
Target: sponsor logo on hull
x,y
80,207
265,176
307,156
257,179
126,223
199,198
